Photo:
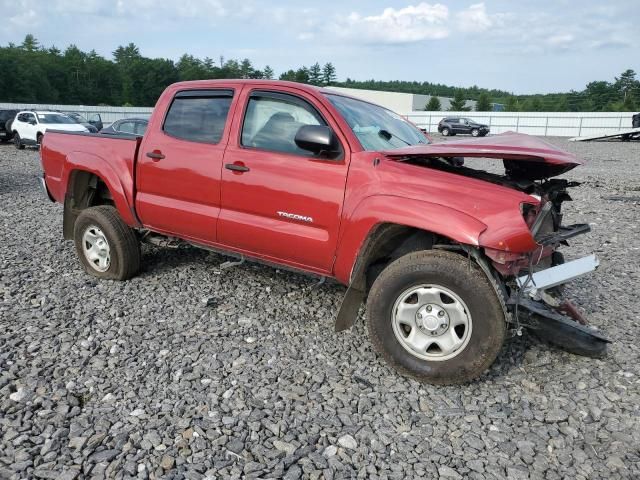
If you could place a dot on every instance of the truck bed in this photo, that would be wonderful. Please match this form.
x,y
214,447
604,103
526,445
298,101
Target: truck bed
x,y
105,155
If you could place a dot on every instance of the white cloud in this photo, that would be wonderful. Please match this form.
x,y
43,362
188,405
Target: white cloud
x,y
562,40
405,25
475,19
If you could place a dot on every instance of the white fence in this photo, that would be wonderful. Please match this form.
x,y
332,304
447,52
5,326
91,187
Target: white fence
x,y
561,124
108,114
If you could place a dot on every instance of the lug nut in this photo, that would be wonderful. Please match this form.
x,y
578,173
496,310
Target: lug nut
x,y
443,325
419,315
428,308
441,313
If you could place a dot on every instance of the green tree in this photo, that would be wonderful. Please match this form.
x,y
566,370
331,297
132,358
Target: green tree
x,y
561,104
484,103
315,74
302,75
267,72
626,83
328,74
458,102
30,44
289,75
433,105
246,69
511,105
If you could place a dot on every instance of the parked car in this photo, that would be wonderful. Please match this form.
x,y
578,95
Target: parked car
x,y
460,125
93,124
448,258
29,126
127,126
6,119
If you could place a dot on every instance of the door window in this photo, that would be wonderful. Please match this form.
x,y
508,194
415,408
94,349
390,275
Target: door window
x,y
140,128
126,127
272,120
198,115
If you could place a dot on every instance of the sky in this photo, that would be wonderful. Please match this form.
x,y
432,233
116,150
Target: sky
x,y
519,46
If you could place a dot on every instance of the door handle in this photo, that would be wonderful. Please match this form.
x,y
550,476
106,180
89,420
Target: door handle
x,y
236,167
155,155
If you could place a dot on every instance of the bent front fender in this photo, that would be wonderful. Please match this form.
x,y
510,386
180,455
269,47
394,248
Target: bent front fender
x,y
375,210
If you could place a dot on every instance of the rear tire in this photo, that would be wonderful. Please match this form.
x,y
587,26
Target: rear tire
x,y
445,282
17,141
475,132
445,132
106,246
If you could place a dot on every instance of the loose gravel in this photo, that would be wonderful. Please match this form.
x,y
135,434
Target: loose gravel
x,y
190,371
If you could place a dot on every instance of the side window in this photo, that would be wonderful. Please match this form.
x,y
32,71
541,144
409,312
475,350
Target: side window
x,y
273,119
126,127
140,128
30,117
22,117
198,115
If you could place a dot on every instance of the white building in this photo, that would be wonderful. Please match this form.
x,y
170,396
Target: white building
x,y
402,103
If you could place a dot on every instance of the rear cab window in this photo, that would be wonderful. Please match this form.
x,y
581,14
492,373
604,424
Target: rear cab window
x,y
198,115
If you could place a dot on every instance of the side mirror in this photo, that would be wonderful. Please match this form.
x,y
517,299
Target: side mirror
x,y
318,139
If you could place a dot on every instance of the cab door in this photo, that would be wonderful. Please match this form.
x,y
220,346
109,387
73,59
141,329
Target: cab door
x,y
280,202
179,163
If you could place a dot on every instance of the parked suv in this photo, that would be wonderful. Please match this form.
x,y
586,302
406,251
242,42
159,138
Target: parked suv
x,y
6,119
454,125
29,126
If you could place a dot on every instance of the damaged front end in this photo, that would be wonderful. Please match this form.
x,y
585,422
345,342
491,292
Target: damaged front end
x,y
537,300
524,257
535,280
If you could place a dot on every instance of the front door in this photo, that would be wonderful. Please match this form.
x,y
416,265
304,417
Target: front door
x,y
280,202
179,162
30,127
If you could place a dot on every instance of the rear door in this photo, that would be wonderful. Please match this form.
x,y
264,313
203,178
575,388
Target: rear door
x,y
456,125
179,163
280,202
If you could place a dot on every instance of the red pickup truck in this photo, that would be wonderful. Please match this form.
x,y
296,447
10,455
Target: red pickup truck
x,y
449,258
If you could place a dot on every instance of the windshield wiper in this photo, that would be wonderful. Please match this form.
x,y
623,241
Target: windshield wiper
x,y
387,135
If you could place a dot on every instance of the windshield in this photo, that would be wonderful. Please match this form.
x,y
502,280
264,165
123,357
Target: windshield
x,y
376,127
77,117
54,118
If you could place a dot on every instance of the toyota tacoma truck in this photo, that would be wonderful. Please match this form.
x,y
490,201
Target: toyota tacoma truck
x,y
449,259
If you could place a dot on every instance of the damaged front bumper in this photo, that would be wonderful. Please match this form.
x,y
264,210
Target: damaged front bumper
x,y
554,319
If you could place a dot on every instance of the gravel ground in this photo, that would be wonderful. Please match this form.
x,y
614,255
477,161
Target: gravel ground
x,y
191,372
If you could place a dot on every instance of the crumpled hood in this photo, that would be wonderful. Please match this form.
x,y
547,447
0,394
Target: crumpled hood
x,y
524,156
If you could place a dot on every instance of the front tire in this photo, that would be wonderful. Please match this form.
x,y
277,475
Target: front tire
x,y
445,132
435,316
106,246
17,141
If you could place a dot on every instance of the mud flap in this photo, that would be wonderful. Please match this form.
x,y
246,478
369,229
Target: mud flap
x,y
561,330
349,308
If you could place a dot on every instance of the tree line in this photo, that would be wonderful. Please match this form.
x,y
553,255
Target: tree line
x,y
32,73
